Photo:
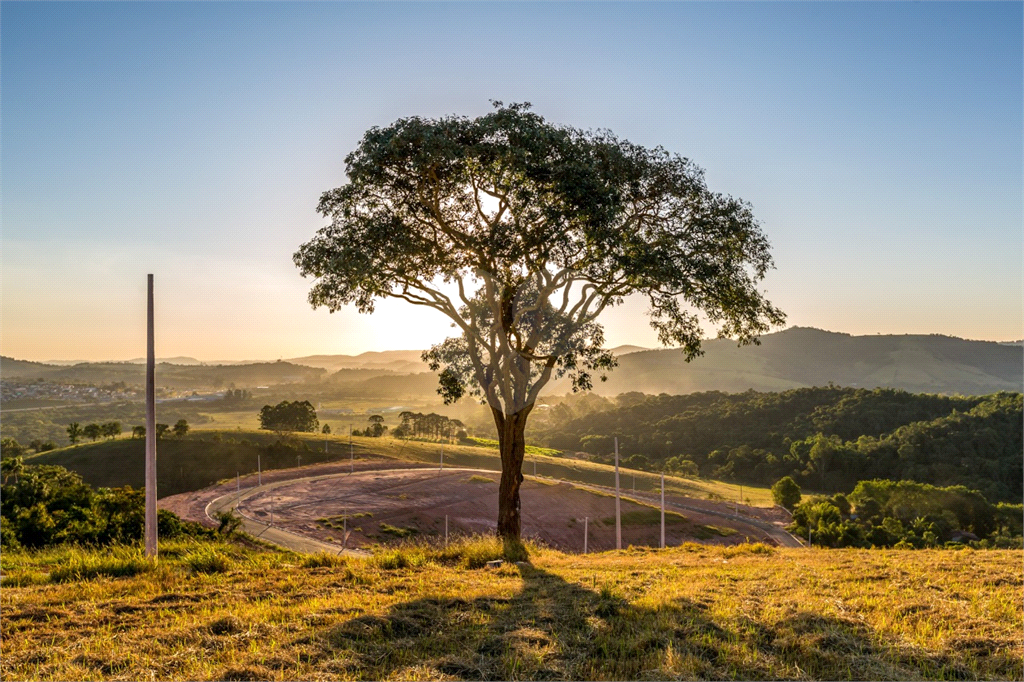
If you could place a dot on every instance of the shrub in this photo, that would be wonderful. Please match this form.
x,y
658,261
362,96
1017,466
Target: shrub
x,y
786,493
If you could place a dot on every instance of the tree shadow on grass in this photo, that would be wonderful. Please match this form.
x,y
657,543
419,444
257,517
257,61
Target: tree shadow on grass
x,y
555,629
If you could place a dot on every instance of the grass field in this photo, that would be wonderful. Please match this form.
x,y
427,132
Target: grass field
x,y
199,460
220,611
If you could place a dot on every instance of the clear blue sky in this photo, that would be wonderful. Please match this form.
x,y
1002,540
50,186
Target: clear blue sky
x,y
880,145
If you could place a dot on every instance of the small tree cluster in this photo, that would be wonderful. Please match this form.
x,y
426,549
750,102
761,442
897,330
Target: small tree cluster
x,y
289,416
40,445
237,395
435,426
376,429
906,515
94,431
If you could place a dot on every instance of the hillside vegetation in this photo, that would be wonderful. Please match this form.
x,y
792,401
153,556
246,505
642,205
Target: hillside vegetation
x,y
212,610
827,439
205,457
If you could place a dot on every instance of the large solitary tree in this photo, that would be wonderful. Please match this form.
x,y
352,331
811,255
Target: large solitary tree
x,y
522,232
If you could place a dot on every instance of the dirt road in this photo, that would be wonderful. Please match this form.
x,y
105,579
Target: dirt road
x,y
384,500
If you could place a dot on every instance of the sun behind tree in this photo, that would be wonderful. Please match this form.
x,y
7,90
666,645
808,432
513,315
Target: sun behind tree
x,y
539,228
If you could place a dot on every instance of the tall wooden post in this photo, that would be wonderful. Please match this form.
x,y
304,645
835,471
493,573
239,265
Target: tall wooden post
x,y
151,518
663,511
618,508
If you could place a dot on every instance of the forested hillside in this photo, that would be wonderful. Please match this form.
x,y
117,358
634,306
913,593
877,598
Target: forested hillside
x,y
827,439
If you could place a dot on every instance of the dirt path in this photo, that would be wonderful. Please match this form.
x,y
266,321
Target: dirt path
x,y
383,500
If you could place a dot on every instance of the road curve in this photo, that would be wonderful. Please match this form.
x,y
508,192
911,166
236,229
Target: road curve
x,y
301,543
268,533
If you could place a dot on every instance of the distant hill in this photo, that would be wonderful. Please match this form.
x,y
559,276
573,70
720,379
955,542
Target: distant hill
x,y
795,358
401,361
801,357
180,360
625,350
168,375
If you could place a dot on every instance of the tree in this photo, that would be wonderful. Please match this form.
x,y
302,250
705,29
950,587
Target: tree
x,y
74,432
180,428
111,429
521,233
161,430
786,493
139,432
326,430
289,416
376,428
92,431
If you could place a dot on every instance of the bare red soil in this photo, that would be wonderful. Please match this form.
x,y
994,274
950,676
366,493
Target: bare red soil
x,y
385,500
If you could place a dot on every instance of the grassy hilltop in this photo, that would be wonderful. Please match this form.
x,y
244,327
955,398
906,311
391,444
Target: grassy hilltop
x,y
220,611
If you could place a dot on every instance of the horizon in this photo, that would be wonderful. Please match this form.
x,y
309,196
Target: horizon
x,y
290,358
193,141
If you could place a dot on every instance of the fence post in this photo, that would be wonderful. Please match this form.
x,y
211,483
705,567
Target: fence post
x,y
586,532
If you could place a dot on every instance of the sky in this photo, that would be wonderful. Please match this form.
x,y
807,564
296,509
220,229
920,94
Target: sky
x,y
880,145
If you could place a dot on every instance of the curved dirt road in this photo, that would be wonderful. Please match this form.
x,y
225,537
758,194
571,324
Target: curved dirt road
x,y
201,505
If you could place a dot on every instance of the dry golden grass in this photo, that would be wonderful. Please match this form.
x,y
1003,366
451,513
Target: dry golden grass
x,y
746,612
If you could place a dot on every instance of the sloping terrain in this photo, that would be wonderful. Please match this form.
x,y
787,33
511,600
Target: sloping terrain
x,y
803,357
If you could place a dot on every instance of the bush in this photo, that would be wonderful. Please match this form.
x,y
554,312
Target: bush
x,y
50,505
786,493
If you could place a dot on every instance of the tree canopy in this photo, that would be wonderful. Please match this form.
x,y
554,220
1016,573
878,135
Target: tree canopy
x,y
521,233
289,416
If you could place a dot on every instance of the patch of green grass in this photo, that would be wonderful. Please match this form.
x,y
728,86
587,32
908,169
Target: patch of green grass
x,y
324,560
119,562
706,532
208,560
397,531
475,478
530,449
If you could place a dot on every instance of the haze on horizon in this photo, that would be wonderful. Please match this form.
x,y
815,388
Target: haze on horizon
x,y
193,141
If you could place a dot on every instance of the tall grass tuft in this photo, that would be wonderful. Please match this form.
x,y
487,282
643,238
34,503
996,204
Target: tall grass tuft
x,y
207,560
118,562
324,560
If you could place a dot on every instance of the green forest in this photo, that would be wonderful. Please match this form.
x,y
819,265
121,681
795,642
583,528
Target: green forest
x,y
827,439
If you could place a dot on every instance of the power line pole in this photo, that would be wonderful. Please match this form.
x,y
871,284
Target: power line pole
x,y
663,511
618,506
151,517
351,452
586,532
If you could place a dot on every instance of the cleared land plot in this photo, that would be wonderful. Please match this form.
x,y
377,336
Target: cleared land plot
x,y
384,506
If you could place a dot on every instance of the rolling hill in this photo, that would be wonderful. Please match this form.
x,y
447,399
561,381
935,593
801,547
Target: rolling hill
x,y
802,357
798,357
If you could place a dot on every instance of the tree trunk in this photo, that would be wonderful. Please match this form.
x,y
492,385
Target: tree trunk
x,y
512,445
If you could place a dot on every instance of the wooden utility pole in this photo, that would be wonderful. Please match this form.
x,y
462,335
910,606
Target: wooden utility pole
x,y
618,507
663,511
151,518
